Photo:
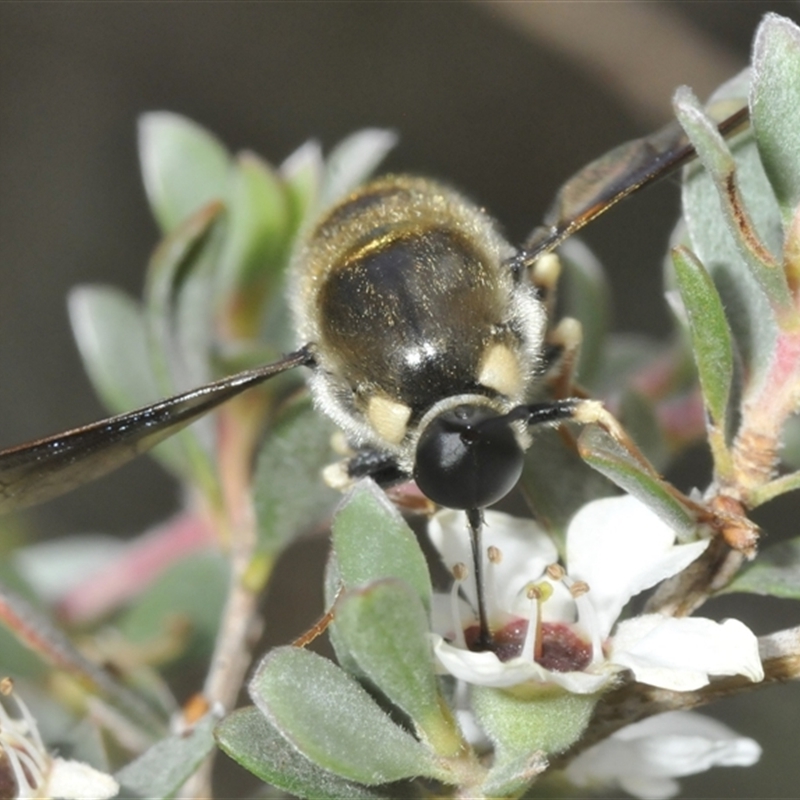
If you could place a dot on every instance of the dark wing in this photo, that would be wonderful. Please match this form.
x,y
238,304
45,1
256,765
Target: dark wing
x,y
614,176
34,472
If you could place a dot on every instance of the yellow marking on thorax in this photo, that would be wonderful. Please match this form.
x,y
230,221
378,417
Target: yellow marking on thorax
x,y
388,417
500,371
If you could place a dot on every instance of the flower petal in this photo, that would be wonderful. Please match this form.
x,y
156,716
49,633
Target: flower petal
x,y
524,547
74,780
620,548
681,654
643,758
486,669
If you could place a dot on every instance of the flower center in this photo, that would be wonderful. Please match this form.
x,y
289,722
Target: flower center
x,y
562,650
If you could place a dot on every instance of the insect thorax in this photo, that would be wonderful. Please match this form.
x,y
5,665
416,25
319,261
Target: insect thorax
x,y
405,291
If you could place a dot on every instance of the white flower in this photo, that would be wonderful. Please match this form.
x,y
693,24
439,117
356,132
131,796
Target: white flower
x,y
552,626
643,759
31,772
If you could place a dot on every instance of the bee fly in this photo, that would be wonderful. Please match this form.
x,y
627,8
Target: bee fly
x,y
424,331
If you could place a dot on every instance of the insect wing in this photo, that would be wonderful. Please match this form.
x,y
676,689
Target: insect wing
x,y
615,175
37,471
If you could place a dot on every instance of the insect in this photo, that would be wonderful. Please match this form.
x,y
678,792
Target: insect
x,y
424,332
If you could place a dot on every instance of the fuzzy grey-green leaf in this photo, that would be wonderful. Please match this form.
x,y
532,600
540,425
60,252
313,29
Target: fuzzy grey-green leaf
x,y
290,494
161,771
248,738
110,334
385,628
183,166
109,331
775,107
302,173
177,308
511,777
332,720
256,243
747,308
717,158
586,298
599,450
352,161
192,591
710,334
372,541
776,572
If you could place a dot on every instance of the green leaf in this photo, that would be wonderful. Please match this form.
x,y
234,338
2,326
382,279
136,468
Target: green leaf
x,y
332,720
717,158
110,333
179,256
599,450
775,572
178,319
302,173
256,243
372,541
511,777
248,738
17,656
711,336
747,308
790,452
192,591
774,107
161,771
584,295
352,161
333,590
290,494
385,628
184,167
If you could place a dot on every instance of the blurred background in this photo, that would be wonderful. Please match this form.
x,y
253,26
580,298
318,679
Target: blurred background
x,y
504,100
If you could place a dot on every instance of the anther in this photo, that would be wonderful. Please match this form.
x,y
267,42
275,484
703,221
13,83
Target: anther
x,y
460,571
494,554
578,588
556,572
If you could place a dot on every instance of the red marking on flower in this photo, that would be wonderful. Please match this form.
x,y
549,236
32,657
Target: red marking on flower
x,y
563,650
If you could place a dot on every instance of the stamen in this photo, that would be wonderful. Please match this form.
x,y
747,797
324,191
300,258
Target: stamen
x,y
586,615
537,593
23,765
32,728
21,744
578,589
556,572
494,556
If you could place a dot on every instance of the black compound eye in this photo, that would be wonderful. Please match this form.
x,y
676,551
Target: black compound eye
x,y
467,457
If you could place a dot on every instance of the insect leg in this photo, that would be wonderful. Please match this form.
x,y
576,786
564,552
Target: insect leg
x,y
584,412
366,463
